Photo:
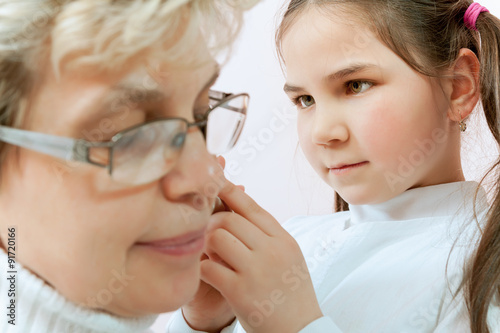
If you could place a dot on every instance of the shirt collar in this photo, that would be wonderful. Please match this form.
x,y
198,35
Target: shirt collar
x,y
423,202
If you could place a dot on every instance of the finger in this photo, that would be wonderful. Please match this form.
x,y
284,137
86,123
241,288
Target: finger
x,y
217,275
222,161
224,246
245,206
239,227
221,206
215,258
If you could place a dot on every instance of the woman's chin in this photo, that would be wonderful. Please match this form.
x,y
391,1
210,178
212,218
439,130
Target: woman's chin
x,y
176,292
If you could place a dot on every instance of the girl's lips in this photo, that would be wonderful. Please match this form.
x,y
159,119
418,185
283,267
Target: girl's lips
x,y
186,244
346,168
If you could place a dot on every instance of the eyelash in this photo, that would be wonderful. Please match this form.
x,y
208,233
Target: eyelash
x,y
347,84
297,100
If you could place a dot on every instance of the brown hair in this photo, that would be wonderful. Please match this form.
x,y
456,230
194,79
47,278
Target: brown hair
x,y
428,36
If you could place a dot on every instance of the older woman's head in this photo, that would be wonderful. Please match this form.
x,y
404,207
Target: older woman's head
x,y
109,198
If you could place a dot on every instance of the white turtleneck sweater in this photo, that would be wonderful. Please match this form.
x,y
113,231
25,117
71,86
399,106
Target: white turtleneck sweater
x,y
387,267
41,309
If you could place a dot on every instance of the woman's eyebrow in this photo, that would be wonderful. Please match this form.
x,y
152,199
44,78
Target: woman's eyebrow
x,y
127,93
123,94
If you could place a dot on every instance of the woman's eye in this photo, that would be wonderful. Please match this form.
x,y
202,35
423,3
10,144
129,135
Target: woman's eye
x,y
358,87
305,101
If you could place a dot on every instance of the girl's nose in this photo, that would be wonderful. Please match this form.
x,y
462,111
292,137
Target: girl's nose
x,y
328,127
196,178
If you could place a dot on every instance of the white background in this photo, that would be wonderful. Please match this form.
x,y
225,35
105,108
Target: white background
x,y
276,175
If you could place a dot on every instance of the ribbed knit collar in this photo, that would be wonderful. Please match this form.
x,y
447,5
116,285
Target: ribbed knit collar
x,y
422,202
40,308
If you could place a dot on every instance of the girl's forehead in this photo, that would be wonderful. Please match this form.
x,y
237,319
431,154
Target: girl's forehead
x,y
315,41
335,33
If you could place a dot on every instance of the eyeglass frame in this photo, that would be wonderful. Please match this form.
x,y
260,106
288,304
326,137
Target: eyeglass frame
x,y
78,150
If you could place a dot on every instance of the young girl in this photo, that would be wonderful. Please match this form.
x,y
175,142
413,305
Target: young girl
x,y
106,182
383,88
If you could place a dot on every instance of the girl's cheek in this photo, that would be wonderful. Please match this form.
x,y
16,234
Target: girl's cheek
x,y
305,138
303,130
376,129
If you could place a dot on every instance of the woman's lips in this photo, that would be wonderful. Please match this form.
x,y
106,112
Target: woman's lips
x,y
186,244
343,169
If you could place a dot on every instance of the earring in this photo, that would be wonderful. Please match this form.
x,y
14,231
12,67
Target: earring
x,y
461,123
463,126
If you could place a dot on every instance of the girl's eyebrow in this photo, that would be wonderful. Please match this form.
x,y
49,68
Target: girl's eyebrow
x,y
352,69
288,88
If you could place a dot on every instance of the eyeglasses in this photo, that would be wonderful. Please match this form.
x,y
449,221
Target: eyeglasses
x,y
144,153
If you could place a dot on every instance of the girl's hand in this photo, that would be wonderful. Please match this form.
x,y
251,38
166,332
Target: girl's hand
x,y
258,267
208,311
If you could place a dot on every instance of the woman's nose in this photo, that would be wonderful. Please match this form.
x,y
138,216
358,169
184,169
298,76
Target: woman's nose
x,y
196,178
328,127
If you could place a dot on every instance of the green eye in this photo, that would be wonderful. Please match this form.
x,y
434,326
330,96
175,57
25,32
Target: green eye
x,y
358,87
306,101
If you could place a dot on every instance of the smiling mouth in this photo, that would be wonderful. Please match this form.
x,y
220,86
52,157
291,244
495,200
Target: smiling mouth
x,y
186,244
341,169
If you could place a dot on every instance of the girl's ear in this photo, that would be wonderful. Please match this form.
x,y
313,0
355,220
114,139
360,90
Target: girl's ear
x,y
465,82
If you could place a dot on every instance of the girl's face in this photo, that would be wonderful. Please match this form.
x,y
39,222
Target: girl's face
x,y
369,125
83,233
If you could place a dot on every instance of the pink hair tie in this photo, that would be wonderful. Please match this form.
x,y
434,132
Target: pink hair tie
x,y
472,14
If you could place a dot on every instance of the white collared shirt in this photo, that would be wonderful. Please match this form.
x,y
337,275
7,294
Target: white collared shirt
x,y
391,267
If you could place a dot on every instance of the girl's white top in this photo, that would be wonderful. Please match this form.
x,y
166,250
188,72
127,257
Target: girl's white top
x,y
389,267
41,309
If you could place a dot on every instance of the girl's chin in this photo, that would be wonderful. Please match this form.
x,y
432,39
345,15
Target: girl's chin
x,y
354,197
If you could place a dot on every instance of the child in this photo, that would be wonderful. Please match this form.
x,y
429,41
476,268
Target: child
x,y
106,182
382,88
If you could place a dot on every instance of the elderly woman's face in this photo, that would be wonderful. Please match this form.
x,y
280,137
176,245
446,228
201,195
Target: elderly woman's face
x,y
128,250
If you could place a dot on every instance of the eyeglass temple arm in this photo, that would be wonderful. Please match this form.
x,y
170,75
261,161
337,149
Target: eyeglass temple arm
x,y
65,148
219,96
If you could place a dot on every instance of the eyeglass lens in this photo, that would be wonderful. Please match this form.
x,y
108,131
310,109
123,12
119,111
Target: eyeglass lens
x,y
225,124
148,152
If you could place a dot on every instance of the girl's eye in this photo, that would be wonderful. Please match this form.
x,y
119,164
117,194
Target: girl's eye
x,y
304,101
358,87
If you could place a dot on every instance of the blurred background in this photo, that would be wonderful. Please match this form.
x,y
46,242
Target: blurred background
x,y
267,159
